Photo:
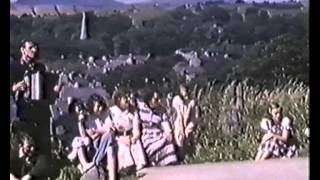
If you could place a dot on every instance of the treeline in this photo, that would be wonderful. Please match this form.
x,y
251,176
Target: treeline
x,y
260,45
181,28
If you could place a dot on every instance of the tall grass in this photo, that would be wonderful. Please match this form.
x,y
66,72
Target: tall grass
x,y
230,125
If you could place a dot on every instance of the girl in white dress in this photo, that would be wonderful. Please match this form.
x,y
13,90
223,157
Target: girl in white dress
x,y
127,133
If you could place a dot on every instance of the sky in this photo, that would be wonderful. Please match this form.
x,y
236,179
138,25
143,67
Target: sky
x,y
115,1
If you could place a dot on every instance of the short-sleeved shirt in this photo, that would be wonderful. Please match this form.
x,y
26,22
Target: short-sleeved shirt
x,y
39,168
121,119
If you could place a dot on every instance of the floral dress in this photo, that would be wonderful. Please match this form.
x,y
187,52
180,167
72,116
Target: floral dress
x,y
278,148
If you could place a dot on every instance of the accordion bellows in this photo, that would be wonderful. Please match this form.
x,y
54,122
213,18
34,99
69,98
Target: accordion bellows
x,y
36,86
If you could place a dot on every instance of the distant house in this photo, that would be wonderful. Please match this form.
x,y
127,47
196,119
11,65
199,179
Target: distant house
x,y
280,5
191,57
133,59
184,70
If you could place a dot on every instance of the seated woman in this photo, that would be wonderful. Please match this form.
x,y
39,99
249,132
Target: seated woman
x,y
96,139
157,138
127,131
278,132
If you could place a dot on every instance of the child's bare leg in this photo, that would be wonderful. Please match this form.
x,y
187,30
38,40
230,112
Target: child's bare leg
x,y
112,167
179,132
258,156
265,155
83,159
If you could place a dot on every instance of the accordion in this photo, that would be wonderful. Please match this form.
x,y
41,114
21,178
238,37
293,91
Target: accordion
x,y
34,82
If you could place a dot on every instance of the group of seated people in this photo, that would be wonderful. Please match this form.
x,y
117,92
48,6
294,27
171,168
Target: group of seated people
x,y
136,131
140,130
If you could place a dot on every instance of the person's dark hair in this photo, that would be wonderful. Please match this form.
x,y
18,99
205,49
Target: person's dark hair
x,y
25,138
133,106
116,96
145,95
24,42
275,105
96,98
76,103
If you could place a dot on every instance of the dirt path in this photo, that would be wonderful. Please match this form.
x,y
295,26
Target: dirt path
x,y
294,169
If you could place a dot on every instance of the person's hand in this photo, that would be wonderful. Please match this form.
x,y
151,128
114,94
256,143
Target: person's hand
x,y
21,152
21,86
179,138
56,88
267,136
86,141
81,117
192,104
168,136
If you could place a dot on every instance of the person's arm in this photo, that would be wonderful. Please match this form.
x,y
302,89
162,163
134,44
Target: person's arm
x,y
81,128
167,130
41,169
102,130
191,105
266,137
18,86
15,165
13,177
165,124
286,125
58,87
107,126
284,137
26,177
136,127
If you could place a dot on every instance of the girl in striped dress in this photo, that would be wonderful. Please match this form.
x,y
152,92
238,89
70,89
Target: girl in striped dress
x,y
156,136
